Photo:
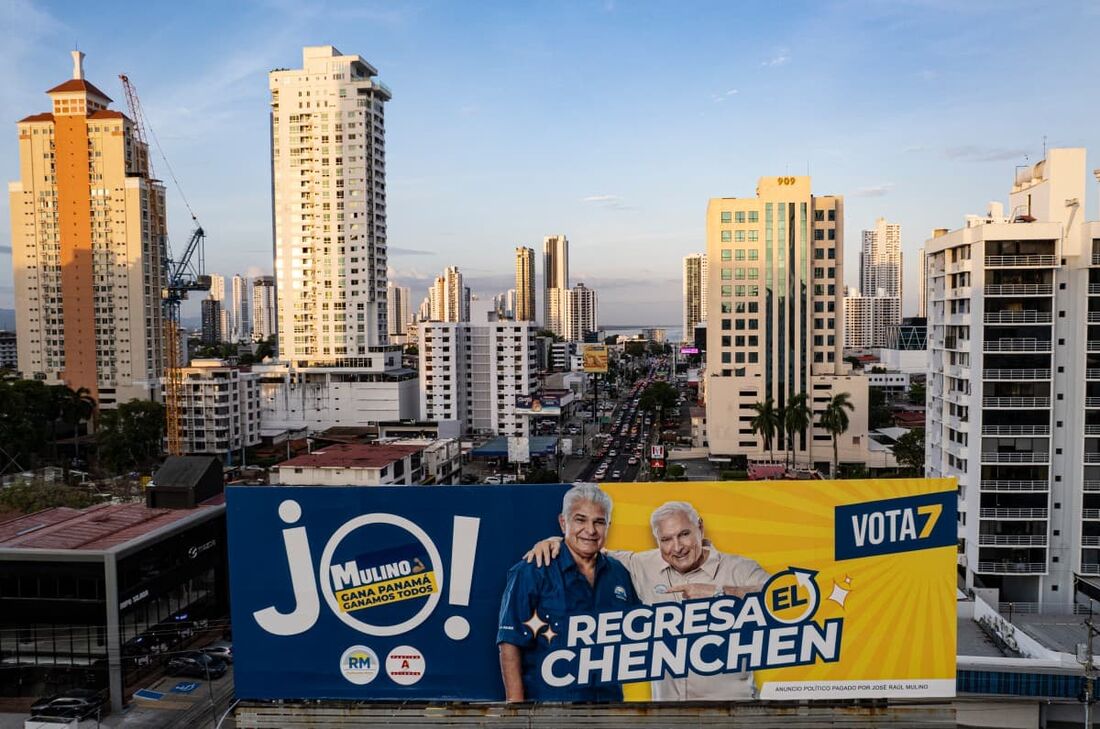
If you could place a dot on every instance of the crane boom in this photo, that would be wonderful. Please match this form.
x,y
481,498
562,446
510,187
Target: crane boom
x,y
182,275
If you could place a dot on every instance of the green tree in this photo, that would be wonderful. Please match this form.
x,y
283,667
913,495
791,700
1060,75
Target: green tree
x,y
266,348
659,395
674,472
917,393
130,436
548,333
634,348
909,451
766,423
835,420
28,498
613,339
796,419
878,414
29,412
77,406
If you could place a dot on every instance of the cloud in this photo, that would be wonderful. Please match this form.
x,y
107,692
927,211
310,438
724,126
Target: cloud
x,y
719,98
781,57
396,251
256,272
608,202
874,190
978,153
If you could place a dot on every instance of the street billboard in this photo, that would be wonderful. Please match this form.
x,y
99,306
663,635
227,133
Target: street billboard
x,y
775,590
594,358
549,405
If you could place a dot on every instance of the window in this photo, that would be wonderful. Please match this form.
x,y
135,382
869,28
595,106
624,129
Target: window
x,y
754,255
725,216
740,274
754,235
725,340
727,273
725,358
740,236
819,234
726,236
727,254
740,254
819,216
832,233
832,214
740,291
727,290
740,218
754,216
727,307
727,325
754,273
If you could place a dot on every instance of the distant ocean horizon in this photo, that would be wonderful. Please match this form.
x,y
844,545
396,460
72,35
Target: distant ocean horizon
x,y
673,332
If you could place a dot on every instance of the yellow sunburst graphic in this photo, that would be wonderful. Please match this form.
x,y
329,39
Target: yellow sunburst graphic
x,y
898,609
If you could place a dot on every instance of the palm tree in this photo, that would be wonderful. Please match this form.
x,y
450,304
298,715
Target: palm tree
x,y
796,418
77,406
835,420
766,422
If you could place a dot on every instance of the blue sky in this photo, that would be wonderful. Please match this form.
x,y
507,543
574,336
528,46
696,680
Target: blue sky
x,y
610,121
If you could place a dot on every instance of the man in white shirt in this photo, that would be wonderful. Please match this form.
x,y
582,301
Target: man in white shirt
x,y
684,566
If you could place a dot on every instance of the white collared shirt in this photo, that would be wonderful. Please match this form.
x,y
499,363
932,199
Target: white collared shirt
x,y
653,578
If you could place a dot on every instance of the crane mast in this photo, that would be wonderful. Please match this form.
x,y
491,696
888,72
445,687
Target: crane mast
x,y
181,275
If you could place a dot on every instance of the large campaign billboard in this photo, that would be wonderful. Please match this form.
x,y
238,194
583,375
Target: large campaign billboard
x,y
538,405
636,592
594,358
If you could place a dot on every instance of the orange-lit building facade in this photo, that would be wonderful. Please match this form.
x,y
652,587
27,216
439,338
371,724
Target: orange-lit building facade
x,y
89,248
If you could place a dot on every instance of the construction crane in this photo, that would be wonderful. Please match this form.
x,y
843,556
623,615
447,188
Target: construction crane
x,y
182,274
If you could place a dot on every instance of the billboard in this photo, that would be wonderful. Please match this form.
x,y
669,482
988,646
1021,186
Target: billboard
x,y
538,405
594,358
774,590
689,350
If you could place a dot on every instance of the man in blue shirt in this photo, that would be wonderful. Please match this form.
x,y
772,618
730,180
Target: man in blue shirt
x,y
538,601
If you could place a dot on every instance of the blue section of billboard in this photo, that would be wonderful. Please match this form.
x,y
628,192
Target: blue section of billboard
x,y
359,593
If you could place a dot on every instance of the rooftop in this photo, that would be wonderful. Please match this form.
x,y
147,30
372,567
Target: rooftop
x,y
352,455
78,84
98,527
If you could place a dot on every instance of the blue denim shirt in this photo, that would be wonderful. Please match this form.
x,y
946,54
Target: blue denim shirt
x,y
555,592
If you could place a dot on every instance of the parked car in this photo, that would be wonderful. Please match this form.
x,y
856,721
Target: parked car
x,y
222,649
616,475
196,665
73,704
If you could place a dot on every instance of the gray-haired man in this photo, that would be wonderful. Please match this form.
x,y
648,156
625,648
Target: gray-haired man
x,y
684,566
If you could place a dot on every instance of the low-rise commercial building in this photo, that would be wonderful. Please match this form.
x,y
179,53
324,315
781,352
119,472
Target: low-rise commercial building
x,y
358,464
220,409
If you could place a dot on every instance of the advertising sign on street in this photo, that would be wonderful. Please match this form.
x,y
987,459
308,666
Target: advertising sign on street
x,y
549,405
594,358
772,590
519,449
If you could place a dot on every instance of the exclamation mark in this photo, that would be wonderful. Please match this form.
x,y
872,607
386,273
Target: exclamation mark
x,y
463,550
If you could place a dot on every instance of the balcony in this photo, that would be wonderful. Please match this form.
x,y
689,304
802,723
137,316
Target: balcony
x,y
1035,457
1092,458
1091,485
1096,259
1012,540
1008,513
1094,317
1017,344
1011,568
1090,569
1087,541
1016,375
1022,402
1023,289
1018,317
1012,485
1030,261
1092,346
1090,514
1092,402
1015,430
1092,373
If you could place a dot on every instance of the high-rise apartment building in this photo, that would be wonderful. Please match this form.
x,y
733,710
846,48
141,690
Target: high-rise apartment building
x,y
211,322
867,319
220,293
922,284
695,293
449,298
222,410
555,279
525,284
774,318
400,309
580,314
328,162
263,308
88,238
1014,383
472,372
242,320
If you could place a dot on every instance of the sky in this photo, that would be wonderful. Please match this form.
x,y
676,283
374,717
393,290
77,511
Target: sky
x,y
612,122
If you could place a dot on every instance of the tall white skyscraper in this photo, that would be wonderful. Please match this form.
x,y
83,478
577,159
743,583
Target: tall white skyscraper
x,y
555,277
1013,409
580,313
242,320
880,278
328,162
263,307
449,298
219,292
400,308
695,293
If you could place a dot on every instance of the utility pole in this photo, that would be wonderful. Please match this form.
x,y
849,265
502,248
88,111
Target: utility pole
x,y
1085,658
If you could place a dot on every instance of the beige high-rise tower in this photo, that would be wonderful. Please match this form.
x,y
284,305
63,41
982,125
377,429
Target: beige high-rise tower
x,y
775,317
525,284
695,293
555,274
329,168
88,248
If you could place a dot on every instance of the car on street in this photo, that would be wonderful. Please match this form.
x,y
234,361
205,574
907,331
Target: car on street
x,y
616,475
222,649
75,703
196,664
632,461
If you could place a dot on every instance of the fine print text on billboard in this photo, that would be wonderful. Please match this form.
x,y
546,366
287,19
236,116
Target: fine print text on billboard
x,y
762,590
